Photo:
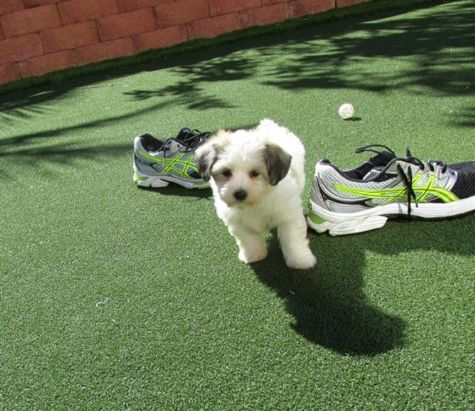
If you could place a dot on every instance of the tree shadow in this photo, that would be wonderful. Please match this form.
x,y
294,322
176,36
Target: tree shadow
x,y
57,146
30,150
185,93
34,137
25,104
437,42
63,154
328,303
193,89
433,48
464,118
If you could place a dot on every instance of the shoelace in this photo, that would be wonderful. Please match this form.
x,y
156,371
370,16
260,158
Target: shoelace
x,y
191,139
407,178
371,149
431,164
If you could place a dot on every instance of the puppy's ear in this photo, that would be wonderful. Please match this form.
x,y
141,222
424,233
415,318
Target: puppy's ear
x,y
205,157
277,162
207,154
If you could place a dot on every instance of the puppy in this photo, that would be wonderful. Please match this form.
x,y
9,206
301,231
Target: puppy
x,y
257,178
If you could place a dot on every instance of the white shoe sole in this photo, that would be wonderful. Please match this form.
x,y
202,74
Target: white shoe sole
x,y
322,220
163,181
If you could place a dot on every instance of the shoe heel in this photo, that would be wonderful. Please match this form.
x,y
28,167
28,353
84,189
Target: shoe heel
x,y
337,224
317,223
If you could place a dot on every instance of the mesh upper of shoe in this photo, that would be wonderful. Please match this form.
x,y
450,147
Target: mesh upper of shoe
x,y
465,185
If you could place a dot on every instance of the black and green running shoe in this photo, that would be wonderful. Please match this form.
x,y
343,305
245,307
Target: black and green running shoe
x,y
362,199
157,164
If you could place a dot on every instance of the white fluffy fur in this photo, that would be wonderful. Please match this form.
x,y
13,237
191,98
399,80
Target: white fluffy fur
x,y
237,161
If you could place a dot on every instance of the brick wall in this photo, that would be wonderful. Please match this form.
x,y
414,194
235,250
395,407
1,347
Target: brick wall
x,y
40,36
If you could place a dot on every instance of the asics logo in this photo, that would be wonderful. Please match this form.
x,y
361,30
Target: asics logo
x,y
398,193
181,164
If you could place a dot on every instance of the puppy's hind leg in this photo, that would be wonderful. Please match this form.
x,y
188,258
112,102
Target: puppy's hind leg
x,y
252,246
293,240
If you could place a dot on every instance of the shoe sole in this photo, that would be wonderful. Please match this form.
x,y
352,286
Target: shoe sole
x,y
164,181
322,220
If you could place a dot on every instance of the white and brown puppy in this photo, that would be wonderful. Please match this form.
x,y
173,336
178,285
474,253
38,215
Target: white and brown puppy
x,y
257,178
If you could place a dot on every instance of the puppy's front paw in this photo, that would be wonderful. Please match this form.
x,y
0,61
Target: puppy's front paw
x,y
254,254
301,260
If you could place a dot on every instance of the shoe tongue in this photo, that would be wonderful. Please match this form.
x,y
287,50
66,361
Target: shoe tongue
x,y
183,134
171,146
381,159
373,173
389,170
376,164
392,168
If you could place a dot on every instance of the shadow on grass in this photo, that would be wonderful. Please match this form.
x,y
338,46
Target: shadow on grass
x,y
192,92
438,44
61,154
28,149
328,303
430,50
175,190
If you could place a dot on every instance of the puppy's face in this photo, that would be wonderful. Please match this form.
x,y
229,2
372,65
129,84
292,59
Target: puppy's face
x,y
242,168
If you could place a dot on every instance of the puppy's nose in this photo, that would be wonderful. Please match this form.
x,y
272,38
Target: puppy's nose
x,y
240,195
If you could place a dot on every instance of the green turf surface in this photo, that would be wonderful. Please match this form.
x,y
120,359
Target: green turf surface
x,y
112,297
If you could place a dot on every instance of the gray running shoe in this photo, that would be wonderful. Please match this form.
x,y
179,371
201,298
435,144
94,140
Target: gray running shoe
x,y
157,164
362,199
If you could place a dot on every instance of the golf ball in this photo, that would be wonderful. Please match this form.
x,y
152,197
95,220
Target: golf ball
x,y
346,111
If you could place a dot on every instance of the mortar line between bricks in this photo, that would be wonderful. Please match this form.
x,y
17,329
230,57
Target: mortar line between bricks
x,y
209,8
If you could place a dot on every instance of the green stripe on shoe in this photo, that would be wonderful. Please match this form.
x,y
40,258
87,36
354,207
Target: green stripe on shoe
x,y
399,193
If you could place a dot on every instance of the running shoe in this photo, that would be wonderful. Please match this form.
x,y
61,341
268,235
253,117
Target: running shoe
x,y
362,199
157,164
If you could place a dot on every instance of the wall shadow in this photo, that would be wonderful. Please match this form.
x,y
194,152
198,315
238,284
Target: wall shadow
x,y
328,303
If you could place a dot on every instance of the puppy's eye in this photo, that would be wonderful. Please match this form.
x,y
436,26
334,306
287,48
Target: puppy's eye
x,y
254,174
227,173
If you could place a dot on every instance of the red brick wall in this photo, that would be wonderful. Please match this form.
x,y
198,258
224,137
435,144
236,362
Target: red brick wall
x,y
39,36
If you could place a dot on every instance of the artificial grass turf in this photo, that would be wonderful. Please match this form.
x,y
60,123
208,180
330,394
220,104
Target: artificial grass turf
x,y
118,298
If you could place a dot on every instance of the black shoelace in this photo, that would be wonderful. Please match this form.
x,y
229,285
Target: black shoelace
x,y
191,139
431,164
371,149
407,178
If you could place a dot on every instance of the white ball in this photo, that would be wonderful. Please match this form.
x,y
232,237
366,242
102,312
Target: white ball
x,y
346,111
